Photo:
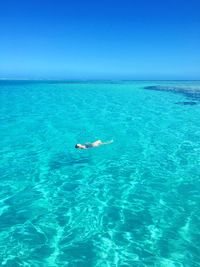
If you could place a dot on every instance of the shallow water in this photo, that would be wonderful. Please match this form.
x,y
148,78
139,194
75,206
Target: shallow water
x,y
132,203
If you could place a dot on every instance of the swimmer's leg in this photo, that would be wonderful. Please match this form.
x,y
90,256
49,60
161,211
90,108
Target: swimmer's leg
x,y
107,143
97,143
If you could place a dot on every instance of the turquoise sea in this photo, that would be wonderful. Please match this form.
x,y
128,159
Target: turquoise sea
x,y
135,202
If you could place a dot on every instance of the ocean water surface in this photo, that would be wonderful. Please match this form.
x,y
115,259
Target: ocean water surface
x,y
135,202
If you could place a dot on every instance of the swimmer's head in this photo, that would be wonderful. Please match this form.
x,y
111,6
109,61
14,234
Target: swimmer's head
x,y
78,146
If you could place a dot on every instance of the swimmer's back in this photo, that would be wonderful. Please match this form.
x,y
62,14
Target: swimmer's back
x,y
88,145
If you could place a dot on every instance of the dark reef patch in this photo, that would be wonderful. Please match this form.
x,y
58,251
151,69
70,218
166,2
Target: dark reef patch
x,y
63,160
187,103
192,93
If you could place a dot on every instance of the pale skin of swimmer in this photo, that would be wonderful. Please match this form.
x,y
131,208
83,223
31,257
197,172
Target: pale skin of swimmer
x,y
93,144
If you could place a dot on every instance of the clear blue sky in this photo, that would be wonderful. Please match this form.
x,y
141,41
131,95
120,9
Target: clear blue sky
x,y
121,39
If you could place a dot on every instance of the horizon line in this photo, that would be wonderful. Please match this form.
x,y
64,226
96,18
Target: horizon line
x,y
85,80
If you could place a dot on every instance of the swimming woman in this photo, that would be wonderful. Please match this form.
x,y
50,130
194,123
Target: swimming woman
x,y
91,145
